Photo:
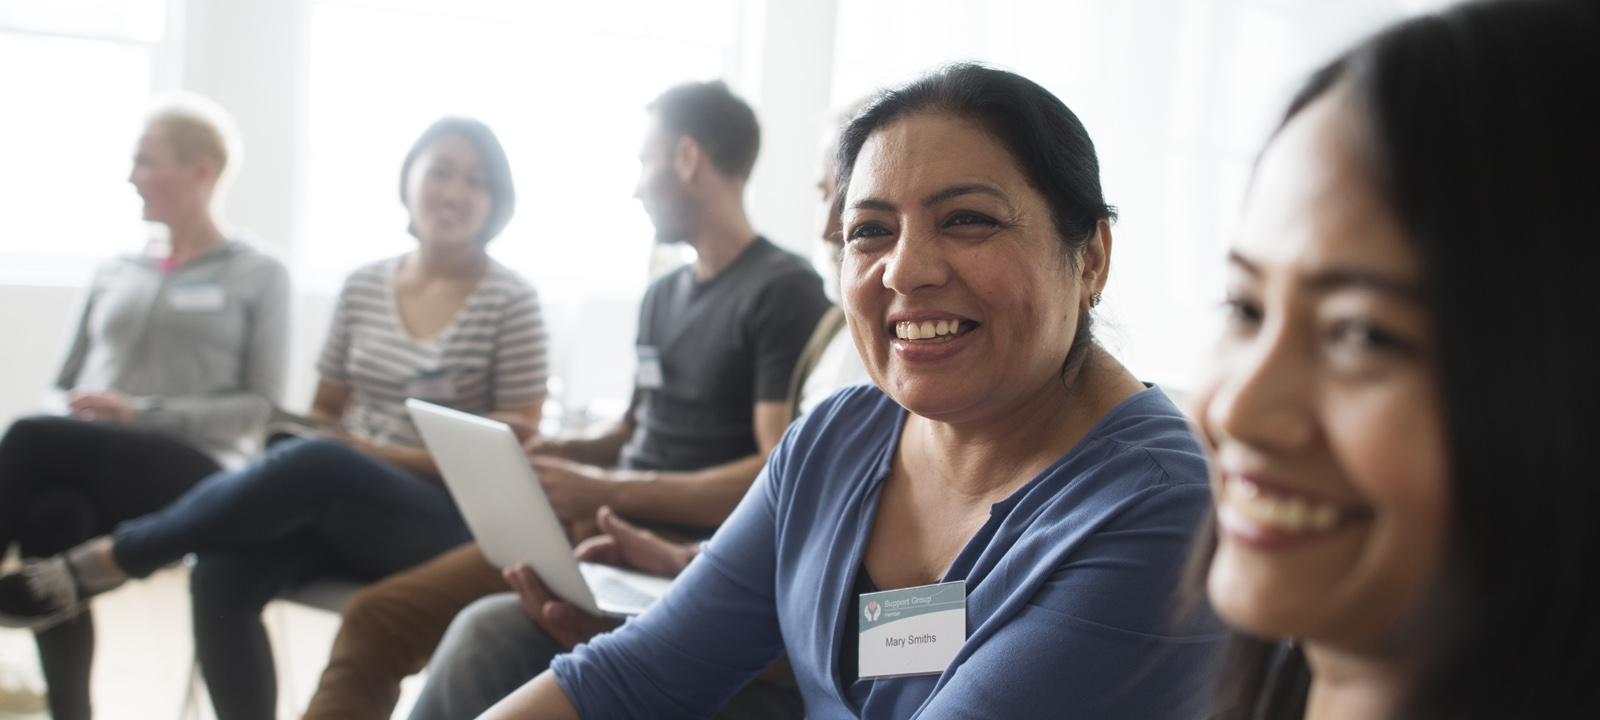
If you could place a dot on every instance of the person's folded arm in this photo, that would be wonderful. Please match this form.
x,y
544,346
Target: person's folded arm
x,y
699,498
598,450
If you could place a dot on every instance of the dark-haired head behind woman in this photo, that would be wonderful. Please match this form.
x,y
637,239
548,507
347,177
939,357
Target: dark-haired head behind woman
x,y
1403,403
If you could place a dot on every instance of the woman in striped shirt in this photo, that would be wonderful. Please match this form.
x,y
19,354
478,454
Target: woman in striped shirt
x,y
444,323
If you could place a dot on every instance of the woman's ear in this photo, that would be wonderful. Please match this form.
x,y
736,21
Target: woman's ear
x,y
204,169
1094,264
686,158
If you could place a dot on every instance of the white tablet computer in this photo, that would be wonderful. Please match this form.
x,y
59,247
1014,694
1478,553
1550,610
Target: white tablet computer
x,y
499,494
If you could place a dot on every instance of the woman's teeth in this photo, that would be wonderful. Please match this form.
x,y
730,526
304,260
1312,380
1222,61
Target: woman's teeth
x,y
933,330
1287,514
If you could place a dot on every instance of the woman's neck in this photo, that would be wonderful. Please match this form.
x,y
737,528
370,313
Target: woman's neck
x,y
989,458
447,262
191,239
1350,686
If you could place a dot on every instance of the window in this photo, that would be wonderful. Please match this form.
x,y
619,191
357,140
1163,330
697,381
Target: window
x,y
77,79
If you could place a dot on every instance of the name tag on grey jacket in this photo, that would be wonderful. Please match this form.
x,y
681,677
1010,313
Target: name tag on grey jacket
x,y
197,297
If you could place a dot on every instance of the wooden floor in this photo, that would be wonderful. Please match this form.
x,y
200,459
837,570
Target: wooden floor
x,y
143,661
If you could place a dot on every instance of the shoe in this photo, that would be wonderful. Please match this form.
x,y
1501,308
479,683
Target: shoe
x,y
40,596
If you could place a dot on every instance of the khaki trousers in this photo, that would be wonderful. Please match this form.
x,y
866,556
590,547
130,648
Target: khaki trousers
x,y
390,629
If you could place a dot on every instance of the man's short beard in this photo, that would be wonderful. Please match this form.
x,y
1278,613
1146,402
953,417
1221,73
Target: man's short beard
x,y
668,236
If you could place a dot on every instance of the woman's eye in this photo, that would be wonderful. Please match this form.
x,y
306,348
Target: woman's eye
x,y
968,218
1361,335
867,230
1242,312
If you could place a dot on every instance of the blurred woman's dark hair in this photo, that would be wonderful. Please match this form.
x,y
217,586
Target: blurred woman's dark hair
x,y
1046,141
1484,134
496,169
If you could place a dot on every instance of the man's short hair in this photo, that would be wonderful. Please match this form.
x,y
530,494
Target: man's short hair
x,y
721,123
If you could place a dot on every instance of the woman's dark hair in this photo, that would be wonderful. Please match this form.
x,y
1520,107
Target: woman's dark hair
x,y
1484,127
496,169
1046,141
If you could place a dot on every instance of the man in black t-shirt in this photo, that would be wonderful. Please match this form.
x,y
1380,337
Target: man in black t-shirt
x,y
718,342
718,338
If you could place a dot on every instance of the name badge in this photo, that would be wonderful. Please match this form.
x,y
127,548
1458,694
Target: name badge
x,y
649,368
197,297
912,631
434,384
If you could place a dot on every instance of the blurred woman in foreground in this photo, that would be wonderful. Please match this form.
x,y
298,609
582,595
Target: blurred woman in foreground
x,y
1402,408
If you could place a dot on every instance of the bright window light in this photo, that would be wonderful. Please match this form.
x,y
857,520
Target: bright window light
x,y
565,94
67,135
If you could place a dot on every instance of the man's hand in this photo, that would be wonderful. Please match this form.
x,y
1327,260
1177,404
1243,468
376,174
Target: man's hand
x,y
623,545
562,621
576,491
107,405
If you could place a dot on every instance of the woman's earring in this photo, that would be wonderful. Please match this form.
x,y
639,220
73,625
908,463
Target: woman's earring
x,y
1094,300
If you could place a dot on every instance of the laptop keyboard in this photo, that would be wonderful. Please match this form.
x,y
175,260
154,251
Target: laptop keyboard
x,y
621,593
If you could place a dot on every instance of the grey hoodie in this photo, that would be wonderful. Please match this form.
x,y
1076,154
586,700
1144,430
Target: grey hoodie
x,y
202,349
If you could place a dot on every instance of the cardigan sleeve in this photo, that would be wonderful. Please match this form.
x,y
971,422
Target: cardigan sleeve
x,y
714,631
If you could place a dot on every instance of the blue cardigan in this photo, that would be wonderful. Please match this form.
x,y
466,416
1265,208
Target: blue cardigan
x,y
1070,585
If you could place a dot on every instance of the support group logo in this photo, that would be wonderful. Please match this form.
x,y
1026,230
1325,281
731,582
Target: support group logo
x,y
872,611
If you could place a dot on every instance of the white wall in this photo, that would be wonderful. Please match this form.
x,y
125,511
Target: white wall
x,y
38,322
250,57
789,81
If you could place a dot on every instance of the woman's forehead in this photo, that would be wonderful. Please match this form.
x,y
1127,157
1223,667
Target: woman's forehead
x,y
920,154
453,148
1313,203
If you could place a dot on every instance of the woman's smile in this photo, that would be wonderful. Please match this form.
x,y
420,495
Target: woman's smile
x,y
1268,515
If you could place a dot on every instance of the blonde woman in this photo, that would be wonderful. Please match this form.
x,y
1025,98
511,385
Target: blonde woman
x,y
177,359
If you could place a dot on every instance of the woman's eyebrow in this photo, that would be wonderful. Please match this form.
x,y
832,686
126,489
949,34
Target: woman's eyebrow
x,y
871,204
1339,278
1234,258
934,198
955,191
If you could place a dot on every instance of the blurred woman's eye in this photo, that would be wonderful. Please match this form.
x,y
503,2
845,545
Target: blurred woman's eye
x,y
1243,312
1362,336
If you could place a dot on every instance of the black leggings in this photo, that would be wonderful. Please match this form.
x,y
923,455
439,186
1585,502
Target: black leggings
x,y
64,481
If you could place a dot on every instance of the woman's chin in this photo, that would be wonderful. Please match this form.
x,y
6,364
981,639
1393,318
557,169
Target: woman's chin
x,y
1246,603
450,240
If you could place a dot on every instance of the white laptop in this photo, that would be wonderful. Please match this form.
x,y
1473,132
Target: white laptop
x,y
499,494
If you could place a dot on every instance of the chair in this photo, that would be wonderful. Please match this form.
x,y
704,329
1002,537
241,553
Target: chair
x,y
329,593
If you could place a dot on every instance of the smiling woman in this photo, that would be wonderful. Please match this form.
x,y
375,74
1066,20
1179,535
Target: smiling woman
x,y
1405,520
998,531
361,498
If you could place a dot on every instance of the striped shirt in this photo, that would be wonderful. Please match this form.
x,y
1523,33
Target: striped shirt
x,y
490,356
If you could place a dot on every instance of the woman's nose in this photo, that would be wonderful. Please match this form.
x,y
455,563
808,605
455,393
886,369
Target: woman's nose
x,y
917,261
1263,393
